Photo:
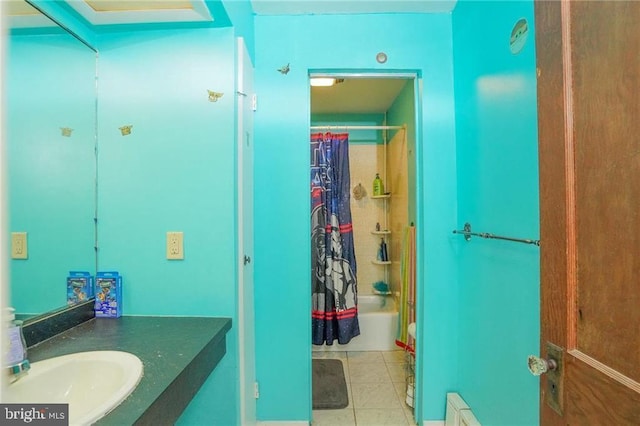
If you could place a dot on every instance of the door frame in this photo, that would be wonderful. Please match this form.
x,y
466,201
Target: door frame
x,y
416,76
245,308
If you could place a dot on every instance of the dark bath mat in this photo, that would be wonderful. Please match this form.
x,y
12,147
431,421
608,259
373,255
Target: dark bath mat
x,y
329,386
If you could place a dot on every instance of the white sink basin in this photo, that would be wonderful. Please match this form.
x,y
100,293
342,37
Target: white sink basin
x,y
92,383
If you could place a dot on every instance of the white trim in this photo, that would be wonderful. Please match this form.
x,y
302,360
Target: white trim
x,y
198,13
348,127
346,74
285,423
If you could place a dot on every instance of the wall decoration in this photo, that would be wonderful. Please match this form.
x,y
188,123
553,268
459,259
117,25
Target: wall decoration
x,y
284,70
66,131
214,96
381,57
359,192
126,130
519,36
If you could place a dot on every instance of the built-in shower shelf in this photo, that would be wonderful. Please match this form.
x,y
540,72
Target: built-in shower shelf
x,y
381,232
379,262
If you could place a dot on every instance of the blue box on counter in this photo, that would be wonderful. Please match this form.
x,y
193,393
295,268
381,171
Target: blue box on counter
x,y
108,295
79,287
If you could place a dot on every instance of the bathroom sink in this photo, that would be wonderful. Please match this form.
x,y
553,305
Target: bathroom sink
x,y
92,383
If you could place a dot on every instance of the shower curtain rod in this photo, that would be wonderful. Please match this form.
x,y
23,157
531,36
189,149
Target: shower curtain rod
x,y
357,127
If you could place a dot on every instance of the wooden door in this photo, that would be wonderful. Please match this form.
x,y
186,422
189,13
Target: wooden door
x,y
588,58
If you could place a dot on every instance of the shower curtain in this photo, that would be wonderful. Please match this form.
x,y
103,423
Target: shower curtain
x,y
333,262
407,299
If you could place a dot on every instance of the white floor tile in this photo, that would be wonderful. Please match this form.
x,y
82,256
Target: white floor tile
x,y
379,417
369,372
374,395
377,390
344,417
365,356
397,371
394,356
401,391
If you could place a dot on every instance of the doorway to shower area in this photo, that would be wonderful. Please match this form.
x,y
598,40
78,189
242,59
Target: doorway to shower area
x,y
363,134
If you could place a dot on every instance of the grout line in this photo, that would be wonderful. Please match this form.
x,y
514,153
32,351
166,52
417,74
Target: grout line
x,y
353,404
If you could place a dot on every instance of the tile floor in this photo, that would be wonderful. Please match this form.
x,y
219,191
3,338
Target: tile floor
x,y
377,390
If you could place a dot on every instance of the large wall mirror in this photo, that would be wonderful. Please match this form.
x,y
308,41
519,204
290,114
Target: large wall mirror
x,y
50,105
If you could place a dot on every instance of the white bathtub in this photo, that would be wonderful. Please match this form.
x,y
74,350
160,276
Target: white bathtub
x,y
378,320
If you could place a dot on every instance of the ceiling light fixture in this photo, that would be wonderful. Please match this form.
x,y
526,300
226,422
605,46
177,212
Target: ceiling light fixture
x,y
322,81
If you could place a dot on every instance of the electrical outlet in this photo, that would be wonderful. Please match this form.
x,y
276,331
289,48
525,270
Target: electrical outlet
x,y
175,250
19,245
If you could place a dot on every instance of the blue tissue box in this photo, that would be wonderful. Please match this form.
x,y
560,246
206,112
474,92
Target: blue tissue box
x,y
108,295
79,287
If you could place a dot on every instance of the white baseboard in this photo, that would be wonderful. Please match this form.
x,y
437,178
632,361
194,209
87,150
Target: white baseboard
x,y
433,423
283,423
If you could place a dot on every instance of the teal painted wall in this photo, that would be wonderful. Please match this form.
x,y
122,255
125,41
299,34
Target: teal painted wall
x,y
50,84
241,16
420,43
172,173
496,126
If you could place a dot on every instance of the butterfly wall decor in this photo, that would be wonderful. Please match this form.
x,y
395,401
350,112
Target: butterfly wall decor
x,y
284,70
214,96
126,130
66,131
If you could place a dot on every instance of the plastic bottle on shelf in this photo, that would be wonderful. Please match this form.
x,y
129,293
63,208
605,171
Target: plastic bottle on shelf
x,y
383,250
377,185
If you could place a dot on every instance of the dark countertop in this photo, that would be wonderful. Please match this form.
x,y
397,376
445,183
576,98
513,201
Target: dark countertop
x,y
178,354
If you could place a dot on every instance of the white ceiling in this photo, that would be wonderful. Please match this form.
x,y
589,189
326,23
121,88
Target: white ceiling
x,y
356,96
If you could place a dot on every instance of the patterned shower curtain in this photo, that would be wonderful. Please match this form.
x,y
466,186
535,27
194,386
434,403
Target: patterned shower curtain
x,y
333,263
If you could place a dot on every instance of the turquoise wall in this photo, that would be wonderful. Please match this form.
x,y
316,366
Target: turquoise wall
x,y
50,84
496,127
421,43
172,173
240,15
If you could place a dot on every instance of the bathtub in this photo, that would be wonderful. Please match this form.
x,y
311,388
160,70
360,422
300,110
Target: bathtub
x,y
378,320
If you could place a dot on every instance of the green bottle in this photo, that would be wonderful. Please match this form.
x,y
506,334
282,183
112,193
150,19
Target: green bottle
x,y
377,186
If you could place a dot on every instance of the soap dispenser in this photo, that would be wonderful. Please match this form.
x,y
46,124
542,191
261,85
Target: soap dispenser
x,y
16,356
377,186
